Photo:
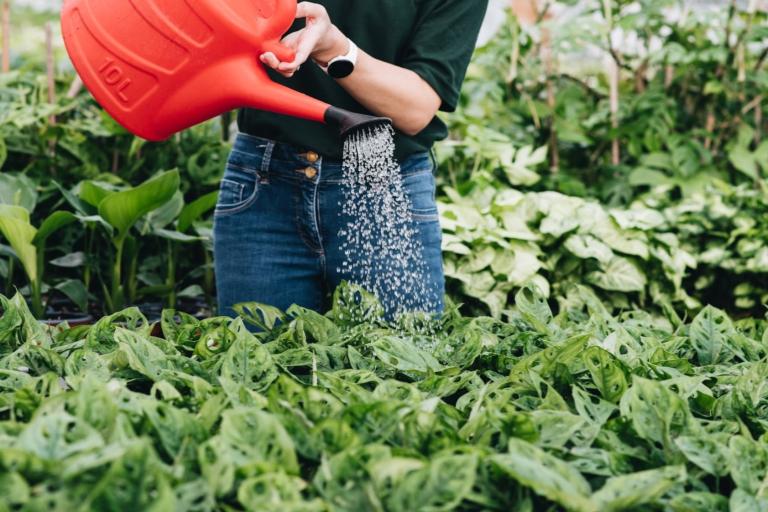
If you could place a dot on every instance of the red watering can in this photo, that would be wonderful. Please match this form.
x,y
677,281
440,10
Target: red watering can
x,y
160,66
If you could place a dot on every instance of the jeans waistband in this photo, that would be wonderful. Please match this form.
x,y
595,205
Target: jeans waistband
x,y
267,156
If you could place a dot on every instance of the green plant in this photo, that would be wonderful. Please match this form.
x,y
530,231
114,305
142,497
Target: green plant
x,y
185,216
497,241
29,244
121,210
580,411
687,106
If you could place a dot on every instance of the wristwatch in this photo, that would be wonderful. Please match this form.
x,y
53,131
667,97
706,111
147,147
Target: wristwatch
x,y
344,65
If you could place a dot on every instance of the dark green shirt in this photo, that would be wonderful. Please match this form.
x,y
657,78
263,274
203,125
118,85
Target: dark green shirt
x,y
434,38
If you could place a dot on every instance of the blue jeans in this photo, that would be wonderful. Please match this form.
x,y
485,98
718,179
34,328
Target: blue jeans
x,y
277,223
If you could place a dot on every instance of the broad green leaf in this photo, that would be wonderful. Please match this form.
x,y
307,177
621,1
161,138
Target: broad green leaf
x,y
123,209
175,428
586,246
748,462
699,502
274,491
101,337
558,428
15,212
344,479
94,193
657,414
533,307
619,275
176,236
442,485
52,224
249,363
257,442
546,475
709,452
17,189
141,355
14,490
709,333
606,372
403,356
260,315
591,408
57,436
742,501
135,481
161,217
15,227
195,210
744,161
650,177
643,488
81,207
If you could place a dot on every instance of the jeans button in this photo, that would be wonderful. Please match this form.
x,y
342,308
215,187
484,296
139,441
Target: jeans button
x,y
312,157
310,172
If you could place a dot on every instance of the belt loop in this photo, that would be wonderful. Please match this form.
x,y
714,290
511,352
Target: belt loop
x,y
266,159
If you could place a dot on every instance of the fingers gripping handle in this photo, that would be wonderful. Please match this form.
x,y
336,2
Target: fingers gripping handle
x,y
282,52
281,20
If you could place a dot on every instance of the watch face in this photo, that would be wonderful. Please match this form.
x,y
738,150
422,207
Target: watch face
x,y
341,68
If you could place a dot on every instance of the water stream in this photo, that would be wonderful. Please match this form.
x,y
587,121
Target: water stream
x,y
383,253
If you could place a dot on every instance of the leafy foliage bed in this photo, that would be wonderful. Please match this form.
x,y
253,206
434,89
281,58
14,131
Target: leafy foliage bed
x,y
580,411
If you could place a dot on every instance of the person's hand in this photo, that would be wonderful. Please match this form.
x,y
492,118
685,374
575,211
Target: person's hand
x,y
320,40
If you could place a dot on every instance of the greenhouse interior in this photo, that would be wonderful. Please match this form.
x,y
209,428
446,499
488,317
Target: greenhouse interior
x,y
407,255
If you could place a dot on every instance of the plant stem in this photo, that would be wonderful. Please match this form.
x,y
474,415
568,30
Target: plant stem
x,y
37,299
9,278
514,61
89,250
170,279
36,284
550,69
133,264
117,275
208,277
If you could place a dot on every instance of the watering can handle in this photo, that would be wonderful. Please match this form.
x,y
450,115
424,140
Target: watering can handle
x,y
282,52
280,20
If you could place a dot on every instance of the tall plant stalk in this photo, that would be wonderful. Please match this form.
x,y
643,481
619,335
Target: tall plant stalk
x,y
5,22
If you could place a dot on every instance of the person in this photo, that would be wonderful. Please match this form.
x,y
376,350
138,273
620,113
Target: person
x,y
278,217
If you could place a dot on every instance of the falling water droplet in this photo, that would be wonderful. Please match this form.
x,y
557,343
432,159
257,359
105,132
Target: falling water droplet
x,y
383,253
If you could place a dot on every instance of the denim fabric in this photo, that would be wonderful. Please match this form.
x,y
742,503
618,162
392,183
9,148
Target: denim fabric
x,y
277,223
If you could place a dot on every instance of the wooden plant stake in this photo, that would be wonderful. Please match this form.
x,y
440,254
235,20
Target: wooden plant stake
x,y
50,72
613,70
613,76
5,21
550,68
50,69
74,88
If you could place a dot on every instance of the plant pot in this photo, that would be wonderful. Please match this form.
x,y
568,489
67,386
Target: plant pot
x,y
151,310
198,307
60,310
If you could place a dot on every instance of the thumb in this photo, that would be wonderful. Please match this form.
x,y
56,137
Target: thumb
x,y
292,39
309,10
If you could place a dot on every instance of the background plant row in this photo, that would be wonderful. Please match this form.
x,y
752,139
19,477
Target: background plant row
x,y
530,186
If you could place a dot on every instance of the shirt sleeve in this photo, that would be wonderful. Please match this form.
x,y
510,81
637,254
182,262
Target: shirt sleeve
x,y
442,45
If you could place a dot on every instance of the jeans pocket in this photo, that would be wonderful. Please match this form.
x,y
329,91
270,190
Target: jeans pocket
x,y
420,187
238,190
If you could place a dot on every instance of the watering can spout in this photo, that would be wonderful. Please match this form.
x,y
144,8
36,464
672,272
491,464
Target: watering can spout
x,y
349,122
